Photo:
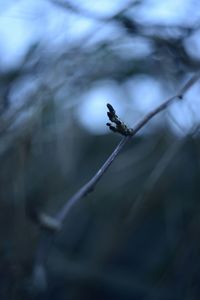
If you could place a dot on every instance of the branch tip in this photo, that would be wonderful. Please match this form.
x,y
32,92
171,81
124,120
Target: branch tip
x,y
119,126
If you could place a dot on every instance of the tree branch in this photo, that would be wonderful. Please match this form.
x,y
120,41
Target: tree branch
x,y
90,185
51,226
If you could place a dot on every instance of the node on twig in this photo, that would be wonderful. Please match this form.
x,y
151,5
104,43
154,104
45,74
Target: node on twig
x,y
47,222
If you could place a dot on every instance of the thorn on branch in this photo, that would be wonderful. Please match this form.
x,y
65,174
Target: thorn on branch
x,y
118,126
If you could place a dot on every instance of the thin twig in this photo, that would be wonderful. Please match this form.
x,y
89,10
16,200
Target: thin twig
x,y
47,234
89,186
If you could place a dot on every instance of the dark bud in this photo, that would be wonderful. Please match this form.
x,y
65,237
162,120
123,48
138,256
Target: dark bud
x,y
110,116
112,128
111,109
118,122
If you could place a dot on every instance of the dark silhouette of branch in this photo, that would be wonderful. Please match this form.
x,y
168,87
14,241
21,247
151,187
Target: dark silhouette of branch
x,y
50,226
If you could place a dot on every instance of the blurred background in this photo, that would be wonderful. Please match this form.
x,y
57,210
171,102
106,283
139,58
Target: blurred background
x,y
136,236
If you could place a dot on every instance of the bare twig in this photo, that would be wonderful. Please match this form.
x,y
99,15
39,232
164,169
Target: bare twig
x,y
90,185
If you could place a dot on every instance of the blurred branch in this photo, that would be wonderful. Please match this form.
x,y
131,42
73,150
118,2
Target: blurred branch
x,y
155,176
157,33
48,231
77,10
86,13
79,271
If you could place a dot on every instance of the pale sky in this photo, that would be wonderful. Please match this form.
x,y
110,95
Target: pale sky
x,y
27,21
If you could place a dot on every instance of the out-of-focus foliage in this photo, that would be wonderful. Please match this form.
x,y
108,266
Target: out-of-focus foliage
x,y
137,234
